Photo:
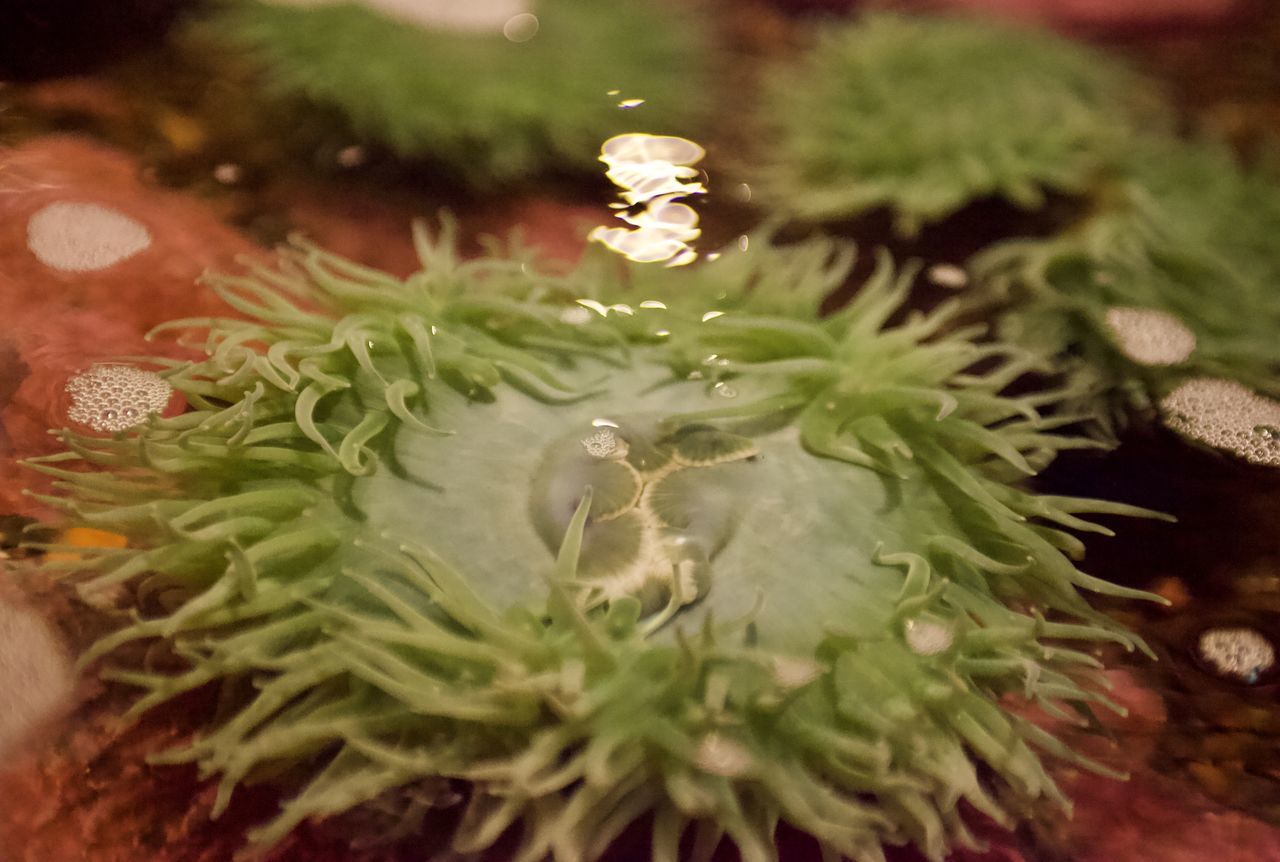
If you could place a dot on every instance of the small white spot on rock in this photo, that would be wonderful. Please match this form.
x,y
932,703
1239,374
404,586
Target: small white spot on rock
x,y
113,398
83,237
1150,336
948,275
228,173
352,156
35,677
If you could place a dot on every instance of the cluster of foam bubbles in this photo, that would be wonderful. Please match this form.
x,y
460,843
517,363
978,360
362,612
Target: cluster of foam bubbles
x,y
1226,415
116,397
1242,653
1150,336
83,237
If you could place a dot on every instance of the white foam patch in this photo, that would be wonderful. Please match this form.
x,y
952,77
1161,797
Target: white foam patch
x,y
84,237
35,677
465,16
1226,415
1238,652
1150,336
113,398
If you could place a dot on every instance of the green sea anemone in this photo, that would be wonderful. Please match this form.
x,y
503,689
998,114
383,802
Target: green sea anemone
x,y
616,544
495,91
1183,250
922,115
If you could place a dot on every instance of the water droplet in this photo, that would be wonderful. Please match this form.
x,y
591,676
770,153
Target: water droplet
x,y
712,315
724,390
521,28
630,103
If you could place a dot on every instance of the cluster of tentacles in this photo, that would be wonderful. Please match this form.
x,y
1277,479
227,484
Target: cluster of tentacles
x,y
369,529
924,115
1186,235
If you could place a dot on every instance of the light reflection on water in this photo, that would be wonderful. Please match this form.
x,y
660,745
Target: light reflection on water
x,y
654,173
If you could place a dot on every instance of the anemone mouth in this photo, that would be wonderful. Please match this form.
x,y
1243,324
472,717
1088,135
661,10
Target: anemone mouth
x,y
450,535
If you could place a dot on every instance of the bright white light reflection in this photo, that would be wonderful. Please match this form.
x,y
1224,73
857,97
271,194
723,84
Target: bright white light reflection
x,y
653,172
712,315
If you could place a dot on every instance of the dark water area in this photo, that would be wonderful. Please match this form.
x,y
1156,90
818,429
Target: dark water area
x,y
103,99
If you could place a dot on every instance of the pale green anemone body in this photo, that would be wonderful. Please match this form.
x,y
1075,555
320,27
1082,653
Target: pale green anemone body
x,y
492,105
1189,236
705,556
923,115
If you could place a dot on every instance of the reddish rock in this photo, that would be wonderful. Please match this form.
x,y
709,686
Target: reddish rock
x,y
374,227
153,286
54,323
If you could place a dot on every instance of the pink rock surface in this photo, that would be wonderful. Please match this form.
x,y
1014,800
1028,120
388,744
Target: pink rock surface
x,y
54,323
